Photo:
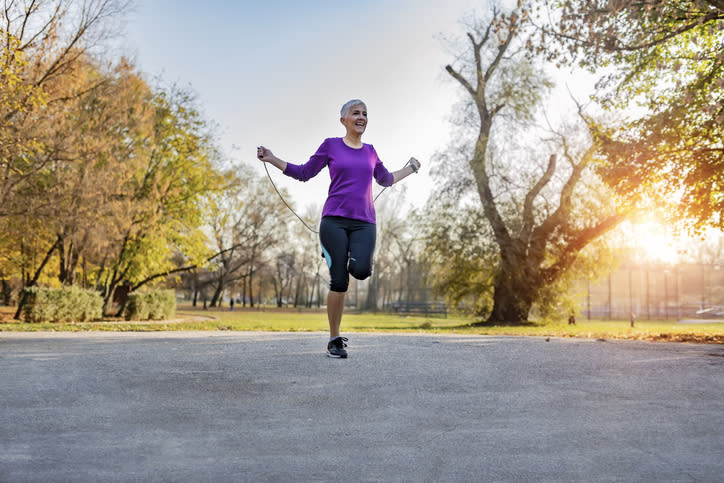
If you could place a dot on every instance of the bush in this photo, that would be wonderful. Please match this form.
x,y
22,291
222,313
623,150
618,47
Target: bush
x,y
153,305
67,304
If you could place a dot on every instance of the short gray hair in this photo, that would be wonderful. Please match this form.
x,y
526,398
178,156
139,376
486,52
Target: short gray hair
x,y
348,105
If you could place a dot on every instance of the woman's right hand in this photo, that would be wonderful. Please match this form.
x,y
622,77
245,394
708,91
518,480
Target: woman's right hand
x,y
264,154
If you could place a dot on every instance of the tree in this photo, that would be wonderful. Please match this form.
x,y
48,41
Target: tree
x,y
262,223
42,42
666,60
284,271
310,262
398,272
87,141
92,146
461,252
224,219
173,170
18,146
540,223
44,46
245,220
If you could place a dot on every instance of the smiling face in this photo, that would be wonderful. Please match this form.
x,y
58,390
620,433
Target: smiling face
x,y
356,120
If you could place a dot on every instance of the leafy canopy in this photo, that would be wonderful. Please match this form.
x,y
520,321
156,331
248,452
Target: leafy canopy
x,y
664,64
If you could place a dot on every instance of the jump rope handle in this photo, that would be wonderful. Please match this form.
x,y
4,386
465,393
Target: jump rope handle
x,y
414,164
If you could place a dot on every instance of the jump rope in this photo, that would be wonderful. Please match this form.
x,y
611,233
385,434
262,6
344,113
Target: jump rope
x,y
295,213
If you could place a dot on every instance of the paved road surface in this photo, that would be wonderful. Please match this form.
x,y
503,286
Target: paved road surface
x,y
272,407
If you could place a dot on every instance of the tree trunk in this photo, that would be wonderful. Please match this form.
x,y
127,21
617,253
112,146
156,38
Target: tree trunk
x,y
34,280
251,288
68,256
5,291
512,300
310,299
277,292
115,277
372,288
115,280
318,284
298,291
195,287
217,294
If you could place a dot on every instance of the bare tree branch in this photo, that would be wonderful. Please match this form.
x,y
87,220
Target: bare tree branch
x,y
460,79
528,215
41,31
579,240
512,30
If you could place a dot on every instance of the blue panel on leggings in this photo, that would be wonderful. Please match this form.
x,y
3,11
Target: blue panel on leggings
x,y
327,257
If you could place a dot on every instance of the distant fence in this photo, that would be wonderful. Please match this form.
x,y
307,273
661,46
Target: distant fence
x,y
658,312
656,291
419,308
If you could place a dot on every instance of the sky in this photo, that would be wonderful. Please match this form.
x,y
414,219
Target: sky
x,y
276,72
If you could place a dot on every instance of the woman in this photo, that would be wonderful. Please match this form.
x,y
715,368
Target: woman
x,y
347,230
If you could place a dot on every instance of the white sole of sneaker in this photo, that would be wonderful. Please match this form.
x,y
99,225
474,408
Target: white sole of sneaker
x,y
333,356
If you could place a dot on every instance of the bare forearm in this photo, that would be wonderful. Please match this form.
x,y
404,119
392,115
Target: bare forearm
x,y
411,167
279,163
402,173
265,155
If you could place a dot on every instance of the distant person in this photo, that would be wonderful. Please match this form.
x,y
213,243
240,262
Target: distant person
x,y
347,231
231,304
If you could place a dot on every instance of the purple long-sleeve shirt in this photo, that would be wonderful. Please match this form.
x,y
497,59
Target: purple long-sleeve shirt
x,y
351,171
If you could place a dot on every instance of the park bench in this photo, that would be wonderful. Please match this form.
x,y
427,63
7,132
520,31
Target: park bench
x,y
420,308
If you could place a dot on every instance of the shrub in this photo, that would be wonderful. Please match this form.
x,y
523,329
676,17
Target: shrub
x,y
152,305
67,304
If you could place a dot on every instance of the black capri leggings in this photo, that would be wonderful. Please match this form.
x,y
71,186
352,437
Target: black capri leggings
x,y
348,246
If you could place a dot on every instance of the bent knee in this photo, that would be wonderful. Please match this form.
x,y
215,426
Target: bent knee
x,y
360,271
339,285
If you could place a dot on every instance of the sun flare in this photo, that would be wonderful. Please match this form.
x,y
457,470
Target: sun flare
x,y
657,243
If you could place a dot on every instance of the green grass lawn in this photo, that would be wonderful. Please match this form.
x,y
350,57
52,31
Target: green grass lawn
x,y
188,318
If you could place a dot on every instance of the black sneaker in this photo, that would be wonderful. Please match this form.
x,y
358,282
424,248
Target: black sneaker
x,y
335,348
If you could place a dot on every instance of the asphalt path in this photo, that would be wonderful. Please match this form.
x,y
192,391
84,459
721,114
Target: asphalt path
x,y
272,407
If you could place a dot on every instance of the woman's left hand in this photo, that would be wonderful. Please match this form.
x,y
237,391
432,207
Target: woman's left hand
x,y
414,163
